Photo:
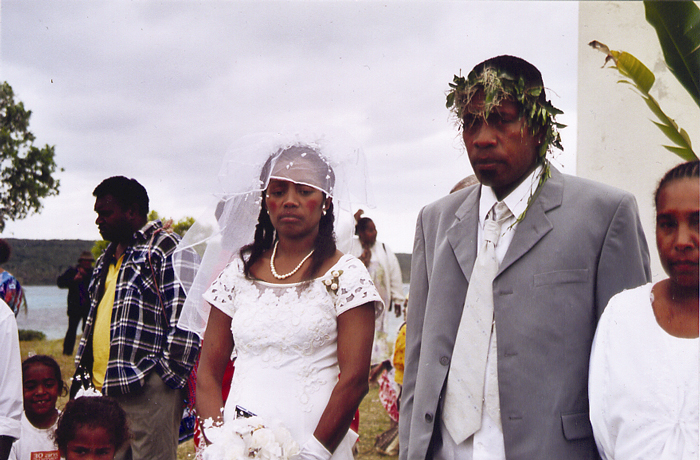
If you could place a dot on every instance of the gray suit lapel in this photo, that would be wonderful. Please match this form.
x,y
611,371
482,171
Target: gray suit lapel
x,y
536,224
462,234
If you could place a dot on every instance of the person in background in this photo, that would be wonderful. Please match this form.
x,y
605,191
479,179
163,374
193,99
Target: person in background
x,y
643,380
384,267
131,342
388,444
76,280
10,290
464,183
10,381
508,280
389,376
399,360
42,384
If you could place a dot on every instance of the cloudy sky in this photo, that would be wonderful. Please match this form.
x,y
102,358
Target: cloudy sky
x,y
159,90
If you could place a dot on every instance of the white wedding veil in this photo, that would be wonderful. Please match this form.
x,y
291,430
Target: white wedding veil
x,y
235,201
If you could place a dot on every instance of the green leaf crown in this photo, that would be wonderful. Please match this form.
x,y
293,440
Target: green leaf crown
x,y
499,85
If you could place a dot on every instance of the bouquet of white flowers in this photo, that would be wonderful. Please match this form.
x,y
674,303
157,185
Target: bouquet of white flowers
x,y
248,438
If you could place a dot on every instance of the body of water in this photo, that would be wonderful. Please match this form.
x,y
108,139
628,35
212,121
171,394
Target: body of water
x,y
46,311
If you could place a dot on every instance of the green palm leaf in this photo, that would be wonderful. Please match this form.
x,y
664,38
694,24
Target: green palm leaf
x,y
677,24
639,76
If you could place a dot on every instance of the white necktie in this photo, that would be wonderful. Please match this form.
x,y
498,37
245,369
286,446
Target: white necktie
x,y
464,395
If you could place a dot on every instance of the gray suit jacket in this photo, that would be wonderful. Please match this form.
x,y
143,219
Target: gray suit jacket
x,y
579,244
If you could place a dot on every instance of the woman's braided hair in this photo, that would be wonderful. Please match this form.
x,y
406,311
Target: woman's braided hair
x,y
686,170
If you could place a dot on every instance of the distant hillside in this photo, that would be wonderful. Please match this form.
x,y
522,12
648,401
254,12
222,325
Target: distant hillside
x,y
39,262
405,263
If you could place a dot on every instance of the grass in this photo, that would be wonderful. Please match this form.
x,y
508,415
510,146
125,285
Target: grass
x,y
373,421
373,418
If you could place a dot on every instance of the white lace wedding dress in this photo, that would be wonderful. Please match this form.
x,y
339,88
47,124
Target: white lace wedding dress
x,y
285,343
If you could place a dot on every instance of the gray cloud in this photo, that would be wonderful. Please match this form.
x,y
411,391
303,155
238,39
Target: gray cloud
x,y
159,90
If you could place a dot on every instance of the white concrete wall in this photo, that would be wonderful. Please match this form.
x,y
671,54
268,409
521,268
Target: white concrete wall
x,y
617,143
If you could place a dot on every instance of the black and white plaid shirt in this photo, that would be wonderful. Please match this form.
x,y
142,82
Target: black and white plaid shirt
x,y
144,333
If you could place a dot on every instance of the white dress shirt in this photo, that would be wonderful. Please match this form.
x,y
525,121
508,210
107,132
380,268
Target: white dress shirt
x,y
10,374
487,443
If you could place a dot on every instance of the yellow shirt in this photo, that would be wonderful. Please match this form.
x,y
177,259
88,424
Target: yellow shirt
x,y
101,336
399,354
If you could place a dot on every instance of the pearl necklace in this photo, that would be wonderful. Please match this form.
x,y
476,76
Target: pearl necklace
x,y
272,263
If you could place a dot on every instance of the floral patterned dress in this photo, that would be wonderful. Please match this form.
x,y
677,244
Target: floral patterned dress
x,y
285,343
11,292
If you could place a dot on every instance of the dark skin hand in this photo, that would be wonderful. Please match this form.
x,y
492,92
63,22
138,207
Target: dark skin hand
x,y
355,336
366,255
5,446
216,351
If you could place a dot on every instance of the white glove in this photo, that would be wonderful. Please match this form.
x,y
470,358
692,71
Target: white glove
x,y
313,450
90,392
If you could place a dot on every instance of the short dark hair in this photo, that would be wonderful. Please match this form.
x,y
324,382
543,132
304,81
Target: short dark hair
x,y
5,251
512,78
49,362
126,192
517,68
93,412
688,170
362,224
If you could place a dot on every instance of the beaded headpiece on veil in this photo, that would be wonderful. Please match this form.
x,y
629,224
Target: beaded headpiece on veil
x,y
232,214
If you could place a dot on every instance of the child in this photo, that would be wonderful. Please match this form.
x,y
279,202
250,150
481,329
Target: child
x,y
91,428
41,384
387,442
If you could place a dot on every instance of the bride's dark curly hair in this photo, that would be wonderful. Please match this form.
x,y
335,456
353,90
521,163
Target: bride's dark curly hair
x,y
324,246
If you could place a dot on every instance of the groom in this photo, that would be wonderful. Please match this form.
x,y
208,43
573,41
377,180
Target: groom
x,y
497,367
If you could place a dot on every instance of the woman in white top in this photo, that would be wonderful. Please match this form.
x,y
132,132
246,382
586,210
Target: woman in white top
x,y
297,313
643,381
385,270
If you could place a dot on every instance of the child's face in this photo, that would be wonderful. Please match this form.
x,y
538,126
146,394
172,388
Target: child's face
x,y
41,390
90,443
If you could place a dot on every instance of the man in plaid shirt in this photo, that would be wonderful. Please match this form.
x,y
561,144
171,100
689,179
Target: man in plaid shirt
x,y
131,341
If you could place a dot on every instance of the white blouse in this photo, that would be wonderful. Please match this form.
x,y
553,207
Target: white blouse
x,y
643,384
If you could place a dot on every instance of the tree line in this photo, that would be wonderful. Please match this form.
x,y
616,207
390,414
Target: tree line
x,y
39,262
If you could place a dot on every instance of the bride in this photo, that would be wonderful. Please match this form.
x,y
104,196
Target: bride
x,y
296,313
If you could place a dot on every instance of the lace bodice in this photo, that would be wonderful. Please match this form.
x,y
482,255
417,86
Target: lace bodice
x,y
285,339
275,321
